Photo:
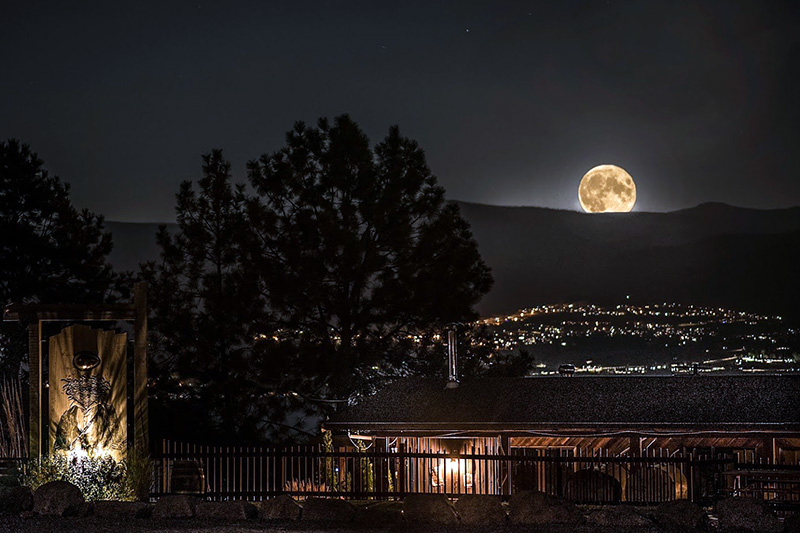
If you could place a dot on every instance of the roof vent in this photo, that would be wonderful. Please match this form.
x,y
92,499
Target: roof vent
x,y
452,359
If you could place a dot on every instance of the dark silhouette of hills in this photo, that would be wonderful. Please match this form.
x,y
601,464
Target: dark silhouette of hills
x,y
712,254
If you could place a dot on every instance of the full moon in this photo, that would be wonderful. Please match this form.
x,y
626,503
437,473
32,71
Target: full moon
x,y
607,189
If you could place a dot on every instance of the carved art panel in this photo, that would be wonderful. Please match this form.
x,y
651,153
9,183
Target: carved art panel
x,y
87,385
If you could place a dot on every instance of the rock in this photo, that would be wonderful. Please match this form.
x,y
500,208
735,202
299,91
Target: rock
x,y
55,497
792,524
380,514
480,510
174,506
746,514
328,510
534,508
283,507
81,510
114,509
680,515
590,485
645,481
14,500
233,510
617,516
429,508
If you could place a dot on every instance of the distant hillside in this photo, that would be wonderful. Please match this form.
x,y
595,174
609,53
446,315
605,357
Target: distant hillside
x,y
712,254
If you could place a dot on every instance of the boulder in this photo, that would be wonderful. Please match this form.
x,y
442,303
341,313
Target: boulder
x,y
746,514
680,515
590,485
649,482
429,508
14,500
283,507
328,510
174,506
231,510
536,508
617,516
115,509
81,510
56,497
380,514
480,510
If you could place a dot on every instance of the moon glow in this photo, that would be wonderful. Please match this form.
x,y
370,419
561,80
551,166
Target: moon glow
x,y
607,189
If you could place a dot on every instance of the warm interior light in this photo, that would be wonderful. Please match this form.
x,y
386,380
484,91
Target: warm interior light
x,y
452,475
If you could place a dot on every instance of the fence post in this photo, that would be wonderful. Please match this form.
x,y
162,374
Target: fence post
x,y
164,466
401,469
505,468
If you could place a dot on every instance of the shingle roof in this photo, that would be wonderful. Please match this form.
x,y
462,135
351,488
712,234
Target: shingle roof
x,y
709,402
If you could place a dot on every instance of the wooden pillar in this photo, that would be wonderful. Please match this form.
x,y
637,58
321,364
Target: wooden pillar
x,y
636,446
505,467
401,469
768,450
35,382
141,440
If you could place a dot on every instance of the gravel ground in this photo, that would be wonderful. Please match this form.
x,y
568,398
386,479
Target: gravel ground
x,y
41,524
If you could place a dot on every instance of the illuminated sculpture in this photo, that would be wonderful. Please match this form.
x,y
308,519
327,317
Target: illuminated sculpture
x,y
83,397
87,392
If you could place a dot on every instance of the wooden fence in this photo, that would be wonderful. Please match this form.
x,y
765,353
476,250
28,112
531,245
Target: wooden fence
x,y
256,473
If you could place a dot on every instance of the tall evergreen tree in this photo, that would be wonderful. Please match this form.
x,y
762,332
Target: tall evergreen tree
x,y
49,251
361,258
203,300
341,270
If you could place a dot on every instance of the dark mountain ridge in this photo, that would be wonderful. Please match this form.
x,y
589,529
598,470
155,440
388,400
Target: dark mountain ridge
x,y
713,254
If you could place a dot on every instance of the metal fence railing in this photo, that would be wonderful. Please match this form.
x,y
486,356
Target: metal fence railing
x,y
256,473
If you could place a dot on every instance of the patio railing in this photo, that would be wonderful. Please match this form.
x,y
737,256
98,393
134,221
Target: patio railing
x,y
256,473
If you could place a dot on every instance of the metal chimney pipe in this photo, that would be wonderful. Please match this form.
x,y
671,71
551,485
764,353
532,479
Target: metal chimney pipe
x,y
452,359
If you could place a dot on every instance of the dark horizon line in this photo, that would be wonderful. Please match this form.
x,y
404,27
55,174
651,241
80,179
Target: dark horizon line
x,y
577,211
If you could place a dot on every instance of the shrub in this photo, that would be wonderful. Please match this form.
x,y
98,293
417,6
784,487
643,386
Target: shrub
x,y
139,475
99,478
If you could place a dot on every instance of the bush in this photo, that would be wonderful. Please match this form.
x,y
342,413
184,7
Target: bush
x,y
139,475
99,478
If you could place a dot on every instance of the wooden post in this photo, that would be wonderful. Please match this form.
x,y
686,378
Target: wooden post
x,y
636,446
401,470
505,467
141,440
35,397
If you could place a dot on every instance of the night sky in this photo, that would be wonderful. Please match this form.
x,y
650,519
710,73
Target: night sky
x,y
512,102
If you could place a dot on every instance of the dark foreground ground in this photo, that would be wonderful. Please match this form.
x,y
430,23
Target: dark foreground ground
x,y
41,524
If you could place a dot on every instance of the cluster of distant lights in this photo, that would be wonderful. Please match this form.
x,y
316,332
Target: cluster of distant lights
x,y
665,310
681,334
588,320
696,327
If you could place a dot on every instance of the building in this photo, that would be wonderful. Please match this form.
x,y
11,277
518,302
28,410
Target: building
x,y
582,428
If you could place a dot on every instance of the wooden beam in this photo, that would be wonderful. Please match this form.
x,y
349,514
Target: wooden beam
x,y
140,416
55,312
635,446
35,383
